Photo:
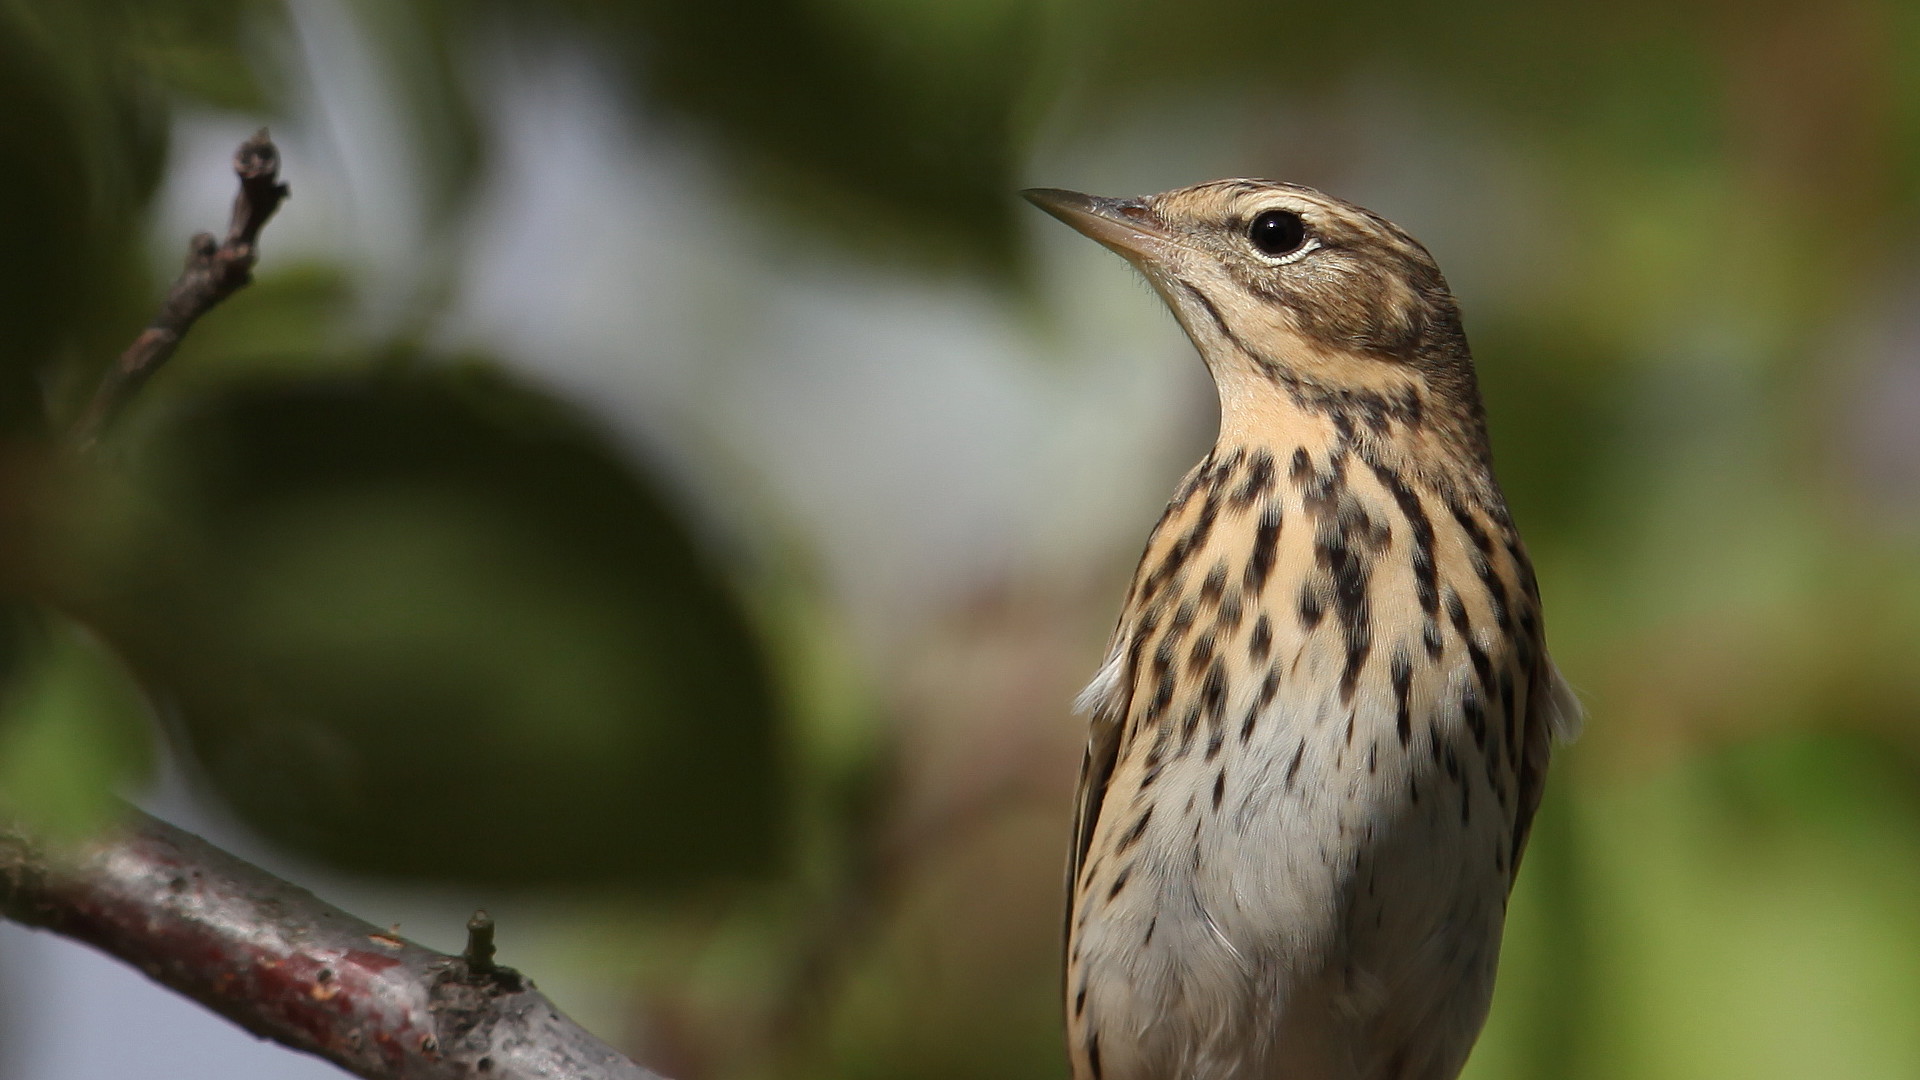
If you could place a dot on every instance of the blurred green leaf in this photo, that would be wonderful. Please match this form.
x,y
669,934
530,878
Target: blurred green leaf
x,y
1753,913
72,727
56,232
430,625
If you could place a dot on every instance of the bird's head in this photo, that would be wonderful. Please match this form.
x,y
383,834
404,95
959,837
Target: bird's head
x,y
1283,286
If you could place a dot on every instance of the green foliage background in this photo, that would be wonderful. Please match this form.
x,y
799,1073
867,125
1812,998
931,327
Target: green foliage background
x,y
414,619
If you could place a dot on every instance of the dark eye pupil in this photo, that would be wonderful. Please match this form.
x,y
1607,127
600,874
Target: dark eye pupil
x,y
1278,232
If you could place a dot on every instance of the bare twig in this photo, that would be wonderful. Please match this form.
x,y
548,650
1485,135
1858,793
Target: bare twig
x,y
215,270
479,954
261,952
289,967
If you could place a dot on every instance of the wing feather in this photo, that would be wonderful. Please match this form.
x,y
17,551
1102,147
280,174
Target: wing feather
x,y
1553,715
1104,702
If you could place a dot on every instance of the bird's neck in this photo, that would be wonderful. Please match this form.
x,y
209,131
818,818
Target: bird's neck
x,y
1397,425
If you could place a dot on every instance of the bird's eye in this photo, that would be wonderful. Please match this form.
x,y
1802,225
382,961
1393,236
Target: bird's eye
x,y
1278,232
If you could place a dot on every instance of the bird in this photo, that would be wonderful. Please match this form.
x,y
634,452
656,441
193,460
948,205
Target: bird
x,y
1321,730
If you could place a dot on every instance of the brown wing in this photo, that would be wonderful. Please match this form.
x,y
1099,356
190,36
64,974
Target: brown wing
x,y
1552,712
1096,768
1105,701
1109,698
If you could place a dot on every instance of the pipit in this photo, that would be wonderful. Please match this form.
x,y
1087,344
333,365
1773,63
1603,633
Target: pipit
x,y
1321,730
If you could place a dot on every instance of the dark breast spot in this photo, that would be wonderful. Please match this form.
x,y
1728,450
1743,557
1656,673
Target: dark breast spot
x,y
1457,614
1182,621
1402,672
1200,654
1266,545
1258,481
1300,470
1162,683
1215,584
1312,607
1231,612
1349,571
1475,714
1482,665
1426,581
1135,831
1213,692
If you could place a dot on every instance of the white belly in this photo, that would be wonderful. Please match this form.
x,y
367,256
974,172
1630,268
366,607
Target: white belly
x,y
1336,917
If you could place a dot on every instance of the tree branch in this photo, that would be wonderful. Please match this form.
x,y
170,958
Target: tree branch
x,y
263,953
214,271
292,968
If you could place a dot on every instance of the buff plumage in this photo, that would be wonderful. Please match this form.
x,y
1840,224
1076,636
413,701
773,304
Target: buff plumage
x,y
1322,728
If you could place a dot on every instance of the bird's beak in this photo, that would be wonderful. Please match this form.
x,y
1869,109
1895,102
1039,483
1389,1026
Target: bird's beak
x,y
1127,226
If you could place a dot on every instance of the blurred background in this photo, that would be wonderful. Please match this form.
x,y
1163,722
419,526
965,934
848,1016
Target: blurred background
x,y
664,488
